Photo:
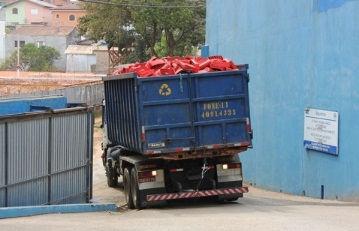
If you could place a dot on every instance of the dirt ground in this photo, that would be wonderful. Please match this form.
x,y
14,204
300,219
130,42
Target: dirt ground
x,y
26,82
101,192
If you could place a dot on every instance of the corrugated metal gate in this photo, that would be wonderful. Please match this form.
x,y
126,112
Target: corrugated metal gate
x,y
46,157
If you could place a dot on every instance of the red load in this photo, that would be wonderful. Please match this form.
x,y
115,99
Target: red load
x,y
176,65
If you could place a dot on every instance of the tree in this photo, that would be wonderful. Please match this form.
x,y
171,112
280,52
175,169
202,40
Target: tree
x,y
32,58
142,29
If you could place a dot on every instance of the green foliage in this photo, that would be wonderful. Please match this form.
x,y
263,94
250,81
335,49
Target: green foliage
x,y
32,58
142,32
161,47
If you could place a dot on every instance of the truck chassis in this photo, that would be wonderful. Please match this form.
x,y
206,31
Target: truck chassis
x,y
151,180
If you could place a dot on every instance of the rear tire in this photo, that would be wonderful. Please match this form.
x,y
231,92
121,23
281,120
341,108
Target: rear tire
x,y
112,178
112,182
127,188
135,190
221,199
232,199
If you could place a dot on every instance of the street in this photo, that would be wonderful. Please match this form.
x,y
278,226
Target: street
x,y
259,210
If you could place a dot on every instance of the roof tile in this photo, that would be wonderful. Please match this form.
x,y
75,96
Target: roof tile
x,y
41,30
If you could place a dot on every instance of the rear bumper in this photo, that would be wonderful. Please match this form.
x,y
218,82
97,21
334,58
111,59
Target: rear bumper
x,y
199,152
238,191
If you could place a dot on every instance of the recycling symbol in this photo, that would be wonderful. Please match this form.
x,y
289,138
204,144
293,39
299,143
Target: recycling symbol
x,y
165,90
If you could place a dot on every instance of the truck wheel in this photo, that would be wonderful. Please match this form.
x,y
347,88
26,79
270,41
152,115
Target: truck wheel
x,y
127,188
232,199
112,179
221,199
135,190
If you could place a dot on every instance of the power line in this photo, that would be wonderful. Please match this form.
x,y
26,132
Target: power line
x,y
142,5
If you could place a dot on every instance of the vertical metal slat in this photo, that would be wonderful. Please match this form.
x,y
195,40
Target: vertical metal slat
x,y
6,160
49,154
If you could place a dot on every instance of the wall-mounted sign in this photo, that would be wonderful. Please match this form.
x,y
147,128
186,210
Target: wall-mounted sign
x,y
321,130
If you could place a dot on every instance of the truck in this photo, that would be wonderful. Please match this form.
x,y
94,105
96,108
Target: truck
x,y
176,137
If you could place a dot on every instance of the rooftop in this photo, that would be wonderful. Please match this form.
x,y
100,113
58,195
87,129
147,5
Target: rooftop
x,y
40,30
85,49
69,6
38,2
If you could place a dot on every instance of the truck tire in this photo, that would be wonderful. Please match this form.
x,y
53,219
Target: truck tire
x,y
221,199
135,190
112,178
112,182
127,188
232,199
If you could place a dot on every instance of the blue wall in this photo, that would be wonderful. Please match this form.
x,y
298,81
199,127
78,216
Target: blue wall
x,y
18,106
301,53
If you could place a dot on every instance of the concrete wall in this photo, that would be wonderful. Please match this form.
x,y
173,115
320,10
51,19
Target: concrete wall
x,y
98,62
2,41
102,61
301,53
2,12
79,62
60,43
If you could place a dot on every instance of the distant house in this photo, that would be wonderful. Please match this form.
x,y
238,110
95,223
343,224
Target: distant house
x,y
2,41
4,2
27,12
57,37
67,15
87,58
2,12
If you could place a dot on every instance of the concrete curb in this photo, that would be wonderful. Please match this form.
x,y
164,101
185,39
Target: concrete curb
x,y
10,212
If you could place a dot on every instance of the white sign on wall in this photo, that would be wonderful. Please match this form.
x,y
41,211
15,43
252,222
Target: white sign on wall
x,y
321,130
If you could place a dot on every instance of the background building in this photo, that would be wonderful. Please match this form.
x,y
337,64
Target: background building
x,y
302,54
2,41
57,37
67,15
4,2
87,58
28,12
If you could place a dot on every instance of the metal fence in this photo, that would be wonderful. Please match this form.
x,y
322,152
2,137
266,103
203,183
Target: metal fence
x,y
91,94
46,157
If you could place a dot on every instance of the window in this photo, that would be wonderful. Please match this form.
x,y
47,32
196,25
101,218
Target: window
x,y
34,11
14,11
72,17
40,43
22,43
57,16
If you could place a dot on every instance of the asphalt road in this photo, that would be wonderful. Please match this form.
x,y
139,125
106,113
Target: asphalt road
x,y
258,210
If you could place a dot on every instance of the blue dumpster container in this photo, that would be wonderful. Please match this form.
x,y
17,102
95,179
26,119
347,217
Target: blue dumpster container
x,y
182,112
